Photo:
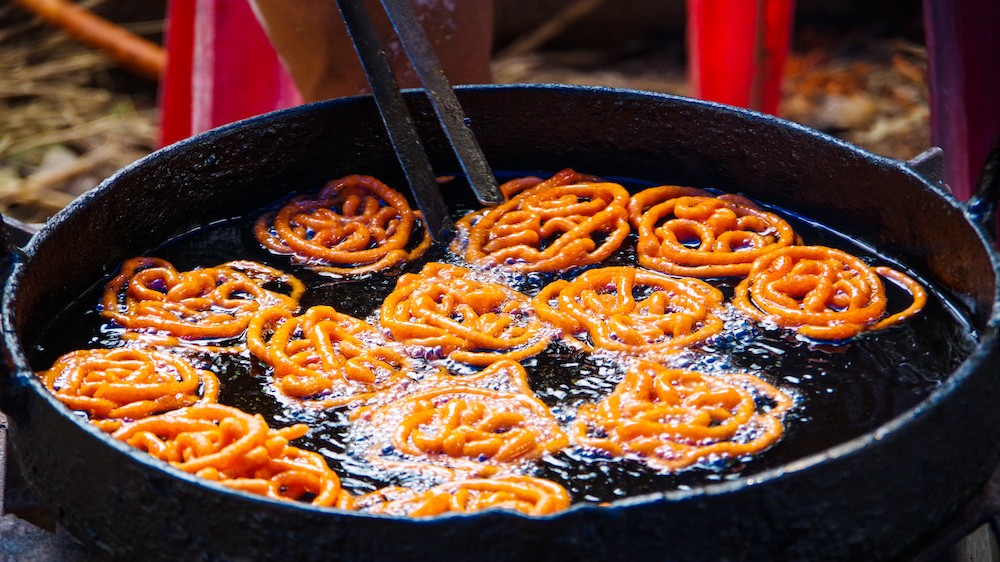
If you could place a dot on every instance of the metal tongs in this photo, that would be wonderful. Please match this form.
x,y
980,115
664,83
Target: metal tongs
x,y
398,121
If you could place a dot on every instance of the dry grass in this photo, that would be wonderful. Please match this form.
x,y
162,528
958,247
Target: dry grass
x,y
67,120
63,124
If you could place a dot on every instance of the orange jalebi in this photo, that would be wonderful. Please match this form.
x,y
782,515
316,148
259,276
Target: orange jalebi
x,y
630,310
529,495
567,221
823,293
354,225
148,294
471,321
116,385
237,450
467,427
321,356
674,418
688,232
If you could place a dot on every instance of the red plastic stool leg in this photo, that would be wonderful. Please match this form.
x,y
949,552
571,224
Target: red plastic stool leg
x,y
737,50
220,68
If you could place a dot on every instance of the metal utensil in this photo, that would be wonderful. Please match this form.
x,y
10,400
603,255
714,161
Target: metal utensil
x,y
398,121
453,121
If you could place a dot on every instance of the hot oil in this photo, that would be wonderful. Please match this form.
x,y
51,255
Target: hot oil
x,y
841,390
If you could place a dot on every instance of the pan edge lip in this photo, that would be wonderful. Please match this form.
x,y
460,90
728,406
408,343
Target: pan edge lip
x,y
17,362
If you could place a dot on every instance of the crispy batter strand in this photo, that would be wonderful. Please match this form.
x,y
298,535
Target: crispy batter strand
x,y
116,385
209,303
823,293
354,225
466,425
319,356
533,496
674,418
630,310
687,231
471,321
237,450
569,220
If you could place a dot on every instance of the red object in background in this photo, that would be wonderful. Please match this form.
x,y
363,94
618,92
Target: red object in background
x,y
963,49
737,50
220,68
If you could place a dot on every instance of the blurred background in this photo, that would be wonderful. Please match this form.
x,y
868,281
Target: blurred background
x,y
70,115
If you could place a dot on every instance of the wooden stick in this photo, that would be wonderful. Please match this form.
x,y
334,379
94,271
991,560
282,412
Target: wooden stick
x,y
43,187
84,130
130,50
551,28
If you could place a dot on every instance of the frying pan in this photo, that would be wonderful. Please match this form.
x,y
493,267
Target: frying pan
x,y
874,497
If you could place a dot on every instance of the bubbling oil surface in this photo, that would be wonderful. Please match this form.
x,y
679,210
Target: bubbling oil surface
x,y
841,390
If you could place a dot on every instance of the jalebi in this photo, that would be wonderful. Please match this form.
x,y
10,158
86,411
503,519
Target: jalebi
x,y
354,225
116,385
321,356
148,294
237,450
823,293
675,418
569,220
467,427
444,307
688,232
630,310
529,495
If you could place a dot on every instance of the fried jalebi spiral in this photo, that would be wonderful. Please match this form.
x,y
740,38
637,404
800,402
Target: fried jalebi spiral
x,y
237,450
148,294
529,495
354,225
674,418
630,310
320,356
689,232
567,221
823,293
470,321
468,427
116,385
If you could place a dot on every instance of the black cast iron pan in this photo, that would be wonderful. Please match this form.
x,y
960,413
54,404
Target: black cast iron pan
x,y
873,497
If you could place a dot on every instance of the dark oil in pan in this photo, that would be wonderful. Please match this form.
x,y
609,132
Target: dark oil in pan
x,y
841,390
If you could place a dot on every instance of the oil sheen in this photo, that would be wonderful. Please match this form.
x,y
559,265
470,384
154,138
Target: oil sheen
x,y
841,390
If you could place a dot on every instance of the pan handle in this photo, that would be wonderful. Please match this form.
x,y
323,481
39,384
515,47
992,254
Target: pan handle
x,y
929,164
15,235
983,205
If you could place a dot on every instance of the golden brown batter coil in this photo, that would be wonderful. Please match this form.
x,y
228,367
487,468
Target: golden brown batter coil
x,y
465,424
674,418
354,225
445,307
567,221
116,385
237,450
529,495
689,232
630,310
322,356
823,293
150,295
